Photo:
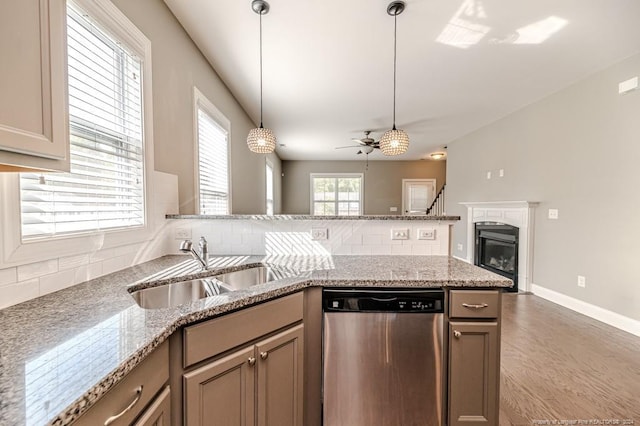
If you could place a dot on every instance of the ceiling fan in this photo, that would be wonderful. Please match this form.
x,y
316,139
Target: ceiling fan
x,y
366,144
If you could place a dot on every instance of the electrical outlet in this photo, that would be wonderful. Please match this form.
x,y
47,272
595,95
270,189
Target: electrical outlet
x,y
553,213
393,209
426,234
182,234
582,281
488,175
459,247
400,234
501,173
319,234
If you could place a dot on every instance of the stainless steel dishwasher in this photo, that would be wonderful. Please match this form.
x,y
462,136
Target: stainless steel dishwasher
x,y
382,357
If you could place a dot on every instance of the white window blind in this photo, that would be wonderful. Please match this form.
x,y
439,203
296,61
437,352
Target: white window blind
x,y
333,195
213,165
105,188
269,192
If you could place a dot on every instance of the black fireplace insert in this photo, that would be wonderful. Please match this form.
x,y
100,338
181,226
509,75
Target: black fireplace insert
x,y
496,249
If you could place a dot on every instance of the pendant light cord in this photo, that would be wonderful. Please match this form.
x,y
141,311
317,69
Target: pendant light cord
x,y
261,70
395,47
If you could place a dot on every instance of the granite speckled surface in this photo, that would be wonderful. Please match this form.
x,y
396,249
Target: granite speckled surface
x,y
311,217
61,352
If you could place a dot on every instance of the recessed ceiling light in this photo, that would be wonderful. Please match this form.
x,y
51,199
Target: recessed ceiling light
x,y
437,155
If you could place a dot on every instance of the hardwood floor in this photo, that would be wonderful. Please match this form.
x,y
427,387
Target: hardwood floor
x,y
559,365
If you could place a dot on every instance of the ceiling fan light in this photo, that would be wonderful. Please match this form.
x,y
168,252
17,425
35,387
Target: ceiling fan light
x,y
261,140
394,142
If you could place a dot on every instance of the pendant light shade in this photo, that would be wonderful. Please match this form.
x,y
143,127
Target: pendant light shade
x,y
261,140
394,141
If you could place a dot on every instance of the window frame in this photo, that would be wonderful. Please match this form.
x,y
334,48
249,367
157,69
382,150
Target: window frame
x,y
201,101
336,176
14,250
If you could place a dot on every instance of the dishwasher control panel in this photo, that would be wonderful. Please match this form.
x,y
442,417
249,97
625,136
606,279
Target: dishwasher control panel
x,y
376,300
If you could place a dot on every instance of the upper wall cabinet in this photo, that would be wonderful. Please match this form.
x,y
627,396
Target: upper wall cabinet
x,y
33,85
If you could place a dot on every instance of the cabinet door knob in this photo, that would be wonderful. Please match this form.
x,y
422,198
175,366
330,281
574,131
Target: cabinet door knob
x,y
264,355
127,408
251,361
456,334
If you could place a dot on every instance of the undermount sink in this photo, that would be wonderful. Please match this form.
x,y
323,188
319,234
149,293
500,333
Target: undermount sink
x,y
175,294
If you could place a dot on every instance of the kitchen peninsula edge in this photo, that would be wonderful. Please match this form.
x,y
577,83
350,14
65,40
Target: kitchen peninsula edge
x,y
97,332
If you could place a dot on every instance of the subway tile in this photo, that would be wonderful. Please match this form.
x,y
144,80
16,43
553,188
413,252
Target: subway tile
x,y
342,249
71,262
400,249
100,255
371,239
35,270
360,250
57,281
382,249
8,276
19,292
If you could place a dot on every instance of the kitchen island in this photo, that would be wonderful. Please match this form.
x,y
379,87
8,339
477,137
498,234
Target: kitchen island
x,y
59,354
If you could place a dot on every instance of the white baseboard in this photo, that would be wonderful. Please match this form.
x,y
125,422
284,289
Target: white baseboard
x,y
627,324
460,258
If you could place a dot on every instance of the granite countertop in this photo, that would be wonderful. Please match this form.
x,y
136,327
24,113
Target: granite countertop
x,y
61,352
311,217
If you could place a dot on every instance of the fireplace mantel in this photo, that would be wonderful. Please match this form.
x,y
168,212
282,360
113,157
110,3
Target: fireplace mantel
x,y
514,213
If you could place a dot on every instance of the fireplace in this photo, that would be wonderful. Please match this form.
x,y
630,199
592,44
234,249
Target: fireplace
x,y
496,249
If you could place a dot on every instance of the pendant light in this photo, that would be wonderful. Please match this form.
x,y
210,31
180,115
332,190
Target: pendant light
x,y
394,141
261,140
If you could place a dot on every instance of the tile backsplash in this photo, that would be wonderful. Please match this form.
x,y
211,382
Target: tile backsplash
x,y
24,282
296,237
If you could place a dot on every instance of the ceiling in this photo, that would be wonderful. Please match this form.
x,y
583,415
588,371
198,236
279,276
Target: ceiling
x,y
462,64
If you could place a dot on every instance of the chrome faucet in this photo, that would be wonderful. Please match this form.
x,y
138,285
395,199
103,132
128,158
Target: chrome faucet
x,y
186,246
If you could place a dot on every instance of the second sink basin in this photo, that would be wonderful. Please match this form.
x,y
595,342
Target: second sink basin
x,y
244,278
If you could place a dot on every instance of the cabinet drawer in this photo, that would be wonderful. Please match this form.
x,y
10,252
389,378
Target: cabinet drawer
x,y
208,339
474,304
140,385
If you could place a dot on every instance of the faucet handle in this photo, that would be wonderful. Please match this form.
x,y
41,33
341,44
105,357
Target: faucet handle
x,y
203,241
186,245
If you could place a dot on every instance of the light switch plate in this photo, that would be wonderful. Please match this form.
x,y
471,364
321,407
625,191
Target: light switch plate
x,y
426,234
393,209
553,213
182,233
459,247
319,234
582,281
501,172
400,234
488,175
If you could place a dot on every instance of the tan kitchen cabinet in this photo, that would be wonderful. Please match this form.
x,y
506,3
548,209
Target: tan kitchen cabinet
x,y
137,390
243,368
261,384
33,105
474,357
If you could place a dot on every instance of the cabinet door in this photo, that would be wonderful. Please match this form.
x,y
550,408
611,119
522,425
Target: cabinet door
x,y
222,393
158,413
474,373
33,105
280,379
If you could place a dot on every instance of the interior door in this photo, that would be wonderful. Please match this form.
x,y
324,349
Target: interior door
x,y
417,195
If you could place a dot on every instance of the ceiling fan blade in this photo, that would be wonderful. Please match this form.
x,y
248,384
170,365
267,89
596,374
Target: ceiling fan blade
x,y
349,146
356,140
359,152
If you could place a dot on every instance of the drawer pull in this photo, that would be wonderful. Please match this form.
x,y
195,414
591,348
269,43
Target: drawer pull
x,y
129,407
251,361
457,334
264,355
466,305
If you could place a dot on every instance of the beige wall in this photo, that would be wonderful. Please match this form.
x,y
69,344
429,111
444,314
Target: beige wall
x,y
178,65
382,181
577,151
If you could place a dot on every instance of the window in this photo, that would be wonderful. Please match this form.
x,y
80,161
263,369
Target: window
x,y
336,195
105,188
269,189
212,141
